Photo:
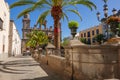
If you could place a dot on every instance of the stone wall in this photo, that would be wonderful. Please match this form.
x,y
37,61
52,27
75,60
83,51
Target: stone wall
x,y
56,63
93,62
89,62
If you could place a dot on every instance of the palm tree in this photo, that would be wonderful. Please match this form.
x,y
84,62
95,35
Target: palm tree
x,y
57,9
37,39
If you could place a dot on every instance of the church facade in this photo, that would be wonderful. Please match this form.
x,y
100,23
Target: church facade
x,y
27,29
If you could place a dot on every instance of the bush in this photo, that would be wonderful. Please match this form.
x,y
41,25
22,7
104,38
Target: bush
x,y
73,24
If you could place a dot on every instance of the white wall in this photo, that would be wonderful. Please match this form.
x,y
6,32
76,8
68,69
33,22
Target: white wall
x,y
5,16
16,42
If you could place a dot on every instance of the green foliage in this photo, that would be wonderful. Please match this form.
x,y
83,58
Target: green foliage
x,y
65,41
47,6
42,17
22,3
119,25
99,38
73,24
57,8
119,29
37,38
86,3
83,40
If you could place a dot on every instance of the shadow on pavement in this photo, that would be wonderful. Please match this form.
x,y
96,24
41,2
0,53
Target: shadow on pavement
x,y
8,67
41,78
15,67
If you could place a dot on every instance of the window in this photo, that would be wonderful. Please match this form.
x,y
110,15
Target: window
x,y
88,34
93,40
84,34
81,35
1,24
3,43
92,32
89,41
3,48
97,31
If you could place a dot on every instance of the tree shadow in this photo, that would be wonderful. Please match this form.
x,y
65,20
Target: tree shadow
x,y
52,75
41,78
8,67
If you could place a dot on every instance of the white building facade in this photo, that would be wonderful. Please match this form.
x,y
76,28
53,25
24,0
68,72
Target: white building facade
x,y
4,28
14,40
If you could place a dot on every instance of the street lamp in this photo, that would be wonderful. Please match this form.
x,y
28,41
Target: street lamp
x,y
105,9
114,11
98,16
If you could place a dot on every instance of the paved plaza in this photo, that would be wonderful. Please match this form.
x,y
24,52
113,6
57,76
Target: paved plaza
x,y
25,68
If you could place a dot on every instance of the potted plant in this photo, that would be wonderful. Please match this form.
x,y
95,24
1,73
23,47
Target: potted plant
x,y
73,25
114,22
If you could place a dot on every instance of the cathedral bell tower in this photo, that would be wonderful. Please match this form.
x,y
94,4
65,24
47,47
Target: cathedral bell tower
x,y
26,21
25,30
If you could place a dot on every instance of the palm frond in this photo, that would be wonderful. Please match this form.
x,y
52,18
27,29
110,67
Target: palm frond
x,y
65,16
22,3
86,3
76,12
68,4
28,10
57,2
41,2
24,12
42,17
48,3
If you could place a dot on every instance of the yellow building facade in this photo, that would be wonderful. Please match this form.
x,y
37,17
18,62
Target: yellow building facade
x,y
90,33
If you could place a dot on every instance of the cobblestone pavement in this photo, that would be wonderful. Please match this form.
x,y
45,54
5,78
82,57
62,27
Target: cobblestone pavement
x,y
25,68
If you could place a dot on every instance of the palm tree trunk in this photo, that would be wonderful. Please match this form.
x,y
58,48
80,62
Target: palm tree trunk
x,y
57,34
56,13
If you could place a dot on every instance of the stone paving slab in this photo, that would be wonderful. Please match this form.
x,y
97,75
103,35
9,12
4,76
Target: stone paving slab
x,y
25,68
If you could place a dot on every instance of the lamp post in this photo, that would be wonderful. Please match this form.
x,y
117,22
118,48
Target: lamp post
x,y
103,20
114,11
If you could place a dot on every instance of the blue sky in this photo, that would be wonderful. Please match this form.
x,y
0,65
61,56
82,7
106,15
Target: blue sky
x,y
88,16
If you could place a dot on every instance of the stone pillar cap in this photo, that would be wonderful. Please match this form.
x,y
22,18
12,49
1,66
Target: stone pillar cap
x,y
75,42
50,46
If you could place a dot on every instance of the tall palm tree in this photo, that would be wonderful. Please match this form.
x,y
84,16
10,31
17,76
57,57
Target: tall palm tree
x,y
57,9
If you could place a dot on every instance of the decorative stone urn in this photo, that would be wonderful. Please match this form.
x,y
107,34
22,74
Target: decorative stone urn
x,y
73,25
73,31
